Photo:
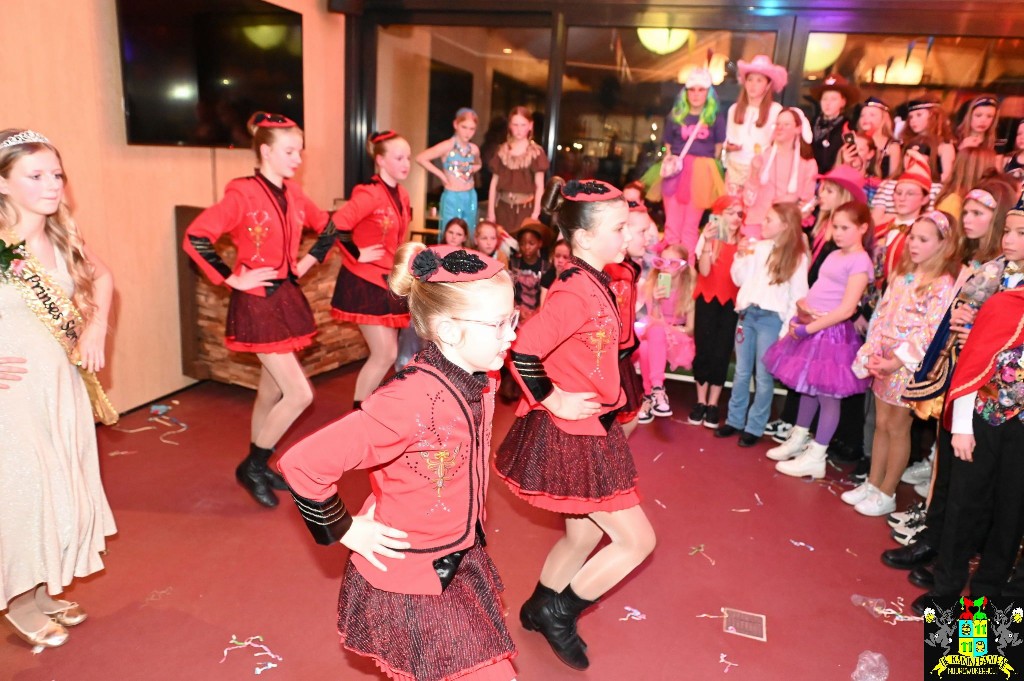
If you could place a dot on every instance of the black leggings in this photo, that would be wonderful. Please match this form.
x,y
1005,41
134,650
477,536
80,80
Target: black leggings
x,y
713,335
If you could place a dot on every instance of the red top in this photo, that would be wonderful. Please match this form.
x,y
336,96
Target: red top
x,y
718,284
572,342
894,247
264,236
624,276
425,436
373,217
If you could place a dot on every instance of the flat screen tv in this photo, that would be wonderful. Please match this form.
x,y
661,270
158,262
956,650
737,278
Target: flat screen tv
x,y
194,70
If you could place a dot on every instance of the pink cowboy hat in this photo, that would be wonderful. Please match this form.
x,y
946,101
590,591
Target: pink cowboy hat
x,y
763,65
849,179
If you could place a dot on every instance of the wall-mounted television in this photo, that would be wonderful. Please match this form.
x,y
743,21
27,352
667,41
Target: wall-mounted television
x,y
194,70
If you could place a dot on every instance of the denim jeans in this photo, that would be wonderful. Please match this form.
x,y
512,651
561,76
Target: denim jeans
x,y
760,328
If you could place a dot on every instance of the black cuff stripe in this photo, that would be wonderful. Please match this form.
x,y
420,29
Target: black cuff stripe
x,y
327,520
535,378
204,247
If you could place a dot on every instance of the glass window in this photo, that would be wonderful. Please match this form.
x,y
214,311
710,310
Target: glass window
x,y
621,82
899,68
426,73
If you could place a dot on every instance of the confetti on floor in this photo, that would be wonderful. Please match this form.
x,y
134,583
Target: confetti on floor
x,y
252,642
699,549
658,456
633,614
721,658
800,543
658,502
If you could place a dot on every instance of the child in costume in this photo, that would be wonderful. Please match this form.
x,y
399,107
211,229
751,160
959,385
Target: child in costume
x,y
978,128
625,277
751,119
691,180
518,181
560,256
666,332
371,226
420,595
815,358
55,297
714,313
920,289
566,452
264,215
528,265
461,160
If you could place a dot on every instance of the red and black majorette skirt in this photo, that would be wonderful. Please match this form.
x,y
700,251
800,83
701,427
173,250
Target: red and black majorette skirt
x,y
361,302
278,323
458,634
633,388
565,473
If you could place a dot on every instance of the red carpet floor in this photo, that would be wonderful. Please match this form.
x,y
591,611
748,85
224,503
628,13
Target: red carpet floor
x,y
197,563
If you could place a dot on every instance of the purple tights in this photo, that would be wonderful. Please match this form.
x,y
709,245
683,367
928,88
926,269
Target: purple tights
x,y
828,419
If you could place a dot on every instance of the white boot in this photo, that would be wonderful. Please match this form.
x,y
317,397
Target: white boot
x,y
810,462
798,439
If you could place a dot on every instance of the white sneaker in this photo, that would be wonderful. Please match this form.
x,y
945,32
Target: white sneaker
x,y
922,488
858,494
811,461
661,406
645,415
876,504
798,439
905,534
917,473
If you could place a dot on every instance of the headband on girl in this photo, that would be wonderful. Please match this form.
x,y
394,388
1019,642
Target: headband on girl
x,y
636,207
268,120
449,264
982,197
465,111
918,106
985,101
589,190
940,220
382,136
25,137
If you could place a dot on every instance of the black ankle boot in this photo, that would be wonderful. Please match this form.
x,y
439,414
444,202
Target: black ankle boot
x,y
528,613
556,619
263,456
252,475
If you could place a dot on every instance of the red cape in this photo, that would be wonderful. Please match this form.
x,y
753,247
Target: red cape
x,y
998,327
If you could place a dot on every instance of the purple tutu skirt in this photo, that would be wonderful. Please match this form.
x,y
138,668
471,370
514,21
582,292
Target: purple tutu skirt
x,y
458,634
819,364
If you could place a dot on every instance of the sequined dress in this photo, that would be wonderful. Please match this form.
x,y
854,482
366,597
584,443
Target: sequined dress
x,y
54,514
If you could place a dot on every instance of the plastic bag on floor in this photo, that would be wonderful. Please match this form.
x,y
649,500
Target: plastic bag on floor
x,y
871,667
408,345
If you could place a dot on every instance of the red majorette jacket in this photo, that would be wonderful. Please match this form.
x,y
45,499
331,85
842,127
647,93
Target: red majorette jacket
x,y
573,342
425,436
264,235
624,276
370,217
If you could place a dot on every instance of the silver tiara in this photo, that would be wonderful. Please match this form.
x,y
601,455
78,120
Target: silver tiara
x,y
27,137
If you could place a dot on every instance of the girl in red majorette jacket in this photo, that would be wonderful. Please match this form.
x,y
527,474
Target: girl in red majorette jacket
x,y
264,216
624,277
420,595
371,226
566,452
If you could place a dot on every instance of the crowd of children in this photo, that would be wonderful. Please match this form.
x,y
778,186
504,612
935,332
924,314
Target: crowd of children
x,y
876,273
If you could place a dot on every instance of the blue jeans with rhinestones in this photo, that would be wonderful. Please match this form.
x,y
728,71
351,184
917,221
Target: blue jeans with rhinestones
x,y
756,332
